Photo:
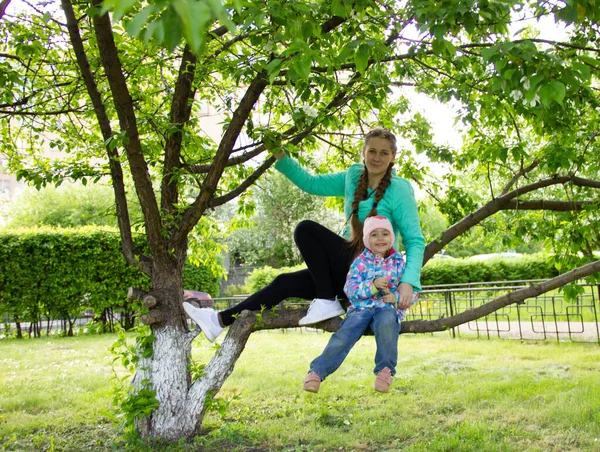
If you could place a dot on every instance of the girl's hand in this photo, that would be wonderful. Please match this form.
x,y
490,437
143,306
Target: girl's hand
x,y
389,298
405,295
380,283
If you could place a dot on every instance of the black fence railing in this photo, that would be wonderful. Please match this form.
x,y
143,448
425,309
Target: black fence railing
x,y
545,317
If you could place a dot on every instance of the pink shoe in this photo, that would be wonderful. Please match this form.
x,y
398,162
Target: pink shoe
x,y
312,382
383,380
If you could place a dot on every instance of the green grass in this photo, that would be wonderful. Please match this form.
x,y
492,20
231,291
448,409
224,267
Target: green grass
x,y
449,394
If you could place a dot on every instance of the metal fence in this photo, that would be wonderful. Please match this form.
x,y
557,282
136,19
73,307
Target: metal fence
x,y
546,317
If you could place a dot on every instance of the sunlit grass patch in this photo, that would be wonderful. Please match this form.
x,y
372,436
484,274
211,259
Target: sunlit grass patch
x,y
461,394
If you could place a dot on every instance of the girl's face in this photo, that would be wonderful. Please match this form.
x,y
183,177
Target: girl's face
x,y
380,241
378,156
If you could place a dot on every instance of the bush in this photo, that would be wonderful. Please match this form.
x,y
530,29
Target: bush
x,y
461,271
60,273
260,277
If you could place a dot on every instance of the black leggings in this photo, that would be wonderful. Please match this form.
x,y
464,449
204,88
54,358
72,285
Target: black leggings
x,y
327,256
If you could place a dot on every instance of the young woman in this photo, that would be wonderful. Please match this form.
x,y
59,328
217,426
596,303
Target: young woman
x,y
370,188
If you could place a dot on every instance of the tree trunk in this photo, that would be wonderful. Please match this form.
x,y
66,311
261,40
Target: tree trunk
x,y
168,373
182,403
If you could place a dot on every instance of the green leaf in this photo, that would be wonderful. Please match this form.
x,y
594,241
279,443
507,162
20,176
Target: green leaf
x,y
361,58
135,25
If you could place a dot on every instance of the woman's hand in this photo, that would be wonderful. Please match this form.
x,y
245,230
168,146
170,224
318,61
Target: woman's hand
x,y
405,295
272,142
380,283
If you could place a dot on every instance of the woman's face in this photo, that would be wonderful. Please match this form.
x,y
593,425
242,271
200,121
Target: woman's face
x,y
378,156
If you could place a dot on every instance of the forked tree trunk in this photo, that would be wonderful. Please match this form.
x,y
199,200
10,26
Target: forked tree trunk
x,y
182,403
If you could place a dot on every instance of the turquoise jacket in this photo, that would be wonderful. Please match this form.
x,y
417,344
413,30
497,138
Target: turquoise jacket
x,y
398,205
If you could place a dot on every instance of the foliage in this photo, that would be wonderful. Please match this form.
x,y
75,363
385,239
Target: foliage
x,y
260,277
280,206
132,404
60,273
460,271
67,206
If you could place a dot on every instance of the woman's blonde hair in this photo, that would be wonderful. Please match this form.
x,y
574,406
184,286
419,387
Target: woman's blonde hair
x,y
360,194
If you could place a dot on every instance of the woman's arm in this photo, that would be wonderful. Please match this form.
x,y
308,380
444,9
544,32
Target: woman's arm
x,y
406,216
320,185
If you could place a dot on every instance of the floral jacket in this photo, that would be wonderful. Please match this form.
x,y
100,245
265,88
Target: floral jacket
x,y
364,269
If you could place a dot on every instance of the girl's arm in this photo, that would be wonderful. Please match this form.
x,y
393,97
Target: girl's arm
x,y
358,285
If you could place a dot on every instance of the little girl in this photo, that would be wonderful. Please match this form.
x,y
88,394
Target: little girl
x,y
372,289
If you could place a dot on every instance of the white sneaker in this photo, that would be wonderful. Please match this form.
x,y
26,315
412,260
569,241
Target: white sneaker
x,y
207,320
321,309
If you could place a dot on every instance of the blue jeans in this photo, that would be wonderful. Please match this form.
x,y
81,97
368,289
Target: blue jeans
x,y
383,322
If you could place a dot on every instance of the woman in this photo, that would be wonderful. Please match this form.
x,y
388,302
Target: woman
x,y
368,189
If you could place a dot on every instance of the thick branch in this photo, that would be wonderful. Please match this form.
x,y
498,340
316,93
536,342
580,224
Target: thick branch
x,y
3,5
555,206
181,109
132,255
128,122
220,366
211,181
501,203
518,296
284,317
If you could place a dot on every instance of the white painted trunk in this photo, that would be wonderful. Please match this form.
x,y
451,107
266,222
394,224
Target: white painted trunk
x,y
169,370
181,405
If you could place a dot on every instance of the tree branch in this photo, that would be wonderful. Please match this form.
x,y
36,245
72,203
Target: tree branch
x,y
518,296
555,206
198,169
211,181
495,205
220,366
520,173
127,120
244,185
181,109
284,317
133,256
3,5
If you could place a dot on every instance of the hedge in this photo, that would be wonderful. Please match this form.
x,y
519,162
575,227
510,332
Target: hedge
x,y
448,271
61,273
461,271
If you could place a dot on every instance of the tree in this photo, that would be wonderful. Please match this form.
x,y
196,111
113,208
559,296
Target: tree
x,y
302,75
66,206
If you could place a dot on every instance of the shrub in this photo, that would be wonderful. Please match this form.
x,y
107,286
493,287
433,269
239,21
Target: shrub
x,y
260,277
461,271
60,273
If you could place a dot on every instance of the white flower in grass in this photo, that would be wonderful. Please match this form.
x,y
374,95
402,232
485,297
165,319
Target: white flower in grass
x,y
516,95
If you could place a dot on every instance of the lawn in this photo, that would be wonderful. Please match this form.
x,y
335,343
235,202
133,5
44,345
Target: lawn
x,y
449,394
